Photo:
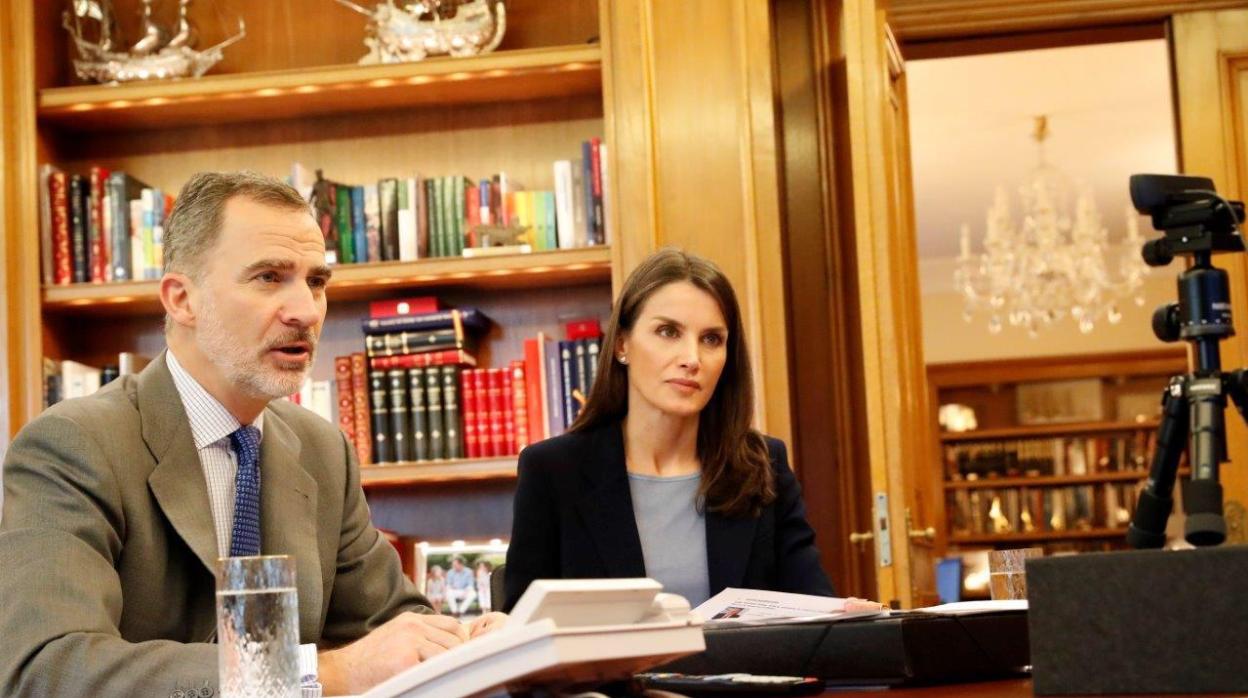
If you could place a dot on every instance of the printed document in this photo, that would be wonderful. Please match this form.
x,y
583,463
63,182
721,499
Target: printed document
x,y
757,607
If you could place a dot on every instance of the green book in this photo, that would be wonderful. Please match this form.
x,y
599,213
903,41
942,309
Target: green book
x,y
436,237
342,216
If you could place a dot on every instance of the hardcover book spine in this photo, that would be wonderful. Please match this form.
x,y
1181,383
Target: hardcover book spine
x,y
359,225
436,238
424,195
498,438
346,397
78,227
581,393
433,409
395,343
593,347
359,389
587,167
395,307
373,225
509,411
553,382
520,403
97,177
400,421
481,388
432,358
468,398
383,448
388,192
533,390
451,431
567,372
411,219
120,232
46,275
458,216
62,255
472,213
342,216
420,414
424,322
600,235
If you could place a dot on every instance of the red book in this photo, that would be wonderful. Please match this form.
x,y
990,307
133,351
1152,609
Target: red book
x,y
472,213
100,244
346,398
498,386
62,261
403,306
468,411
519,404
359,390
583,329
448,357
536,402
481,387
509,413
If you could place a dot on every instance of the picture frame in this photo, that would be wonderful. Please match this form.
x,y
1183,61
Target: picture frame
x,y
434,564
1059,402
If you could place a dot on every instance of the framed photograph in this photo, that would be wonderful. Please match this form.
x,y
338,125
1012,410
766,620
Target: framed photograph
x,y
1056,402
455,576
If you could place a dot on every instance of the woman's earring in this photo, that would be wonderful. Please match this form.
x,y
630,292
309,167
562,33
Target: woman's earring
x,y
623,359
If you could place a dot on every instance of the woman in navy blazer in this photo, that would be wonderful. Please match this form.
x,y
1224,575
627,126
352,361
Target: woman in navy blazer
x,y
673,400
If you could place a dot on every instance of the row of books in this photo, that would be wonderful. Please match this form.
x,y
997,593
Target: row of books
x,y
99,227
409,218
67,379
415,393
1050,456
1032,509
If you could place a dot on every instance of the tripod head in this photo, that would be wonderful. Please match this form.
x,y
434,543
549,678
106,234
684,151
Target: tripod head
x,y
1196,222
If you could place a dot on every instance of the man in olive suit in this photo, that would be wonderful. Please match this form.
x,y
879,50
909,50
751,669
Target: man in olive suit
x,y
118,505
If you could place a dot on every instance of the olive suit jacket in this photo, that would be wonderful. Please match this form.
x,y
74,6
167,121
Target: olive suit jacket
x,y
108,550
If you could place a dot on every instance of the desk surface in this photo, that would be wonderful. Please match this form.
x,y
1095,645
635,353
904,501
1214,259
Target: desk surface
x,y
1015,688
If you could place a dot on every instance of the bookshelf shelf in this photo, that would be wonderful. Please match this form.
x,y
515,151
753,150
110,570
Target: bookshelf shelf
x,y
520,75
436,472
1050,480
1042,430
1037,536
359,281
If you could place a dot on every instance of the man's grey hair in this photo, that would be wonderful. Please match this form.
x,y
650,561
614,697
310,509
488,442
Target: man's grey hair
x,y
194,224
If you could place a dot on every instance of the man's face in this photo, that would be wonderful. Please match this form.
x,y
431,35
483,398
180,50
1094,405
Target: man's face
x,y
262,299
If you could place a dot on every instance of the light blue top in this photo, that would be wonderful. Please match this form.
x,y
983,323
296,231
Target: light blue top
x,y
673,533
460,579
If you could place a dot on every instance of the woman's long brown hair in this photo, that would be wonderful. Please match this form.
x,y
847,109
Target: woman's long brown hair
x,y
736,470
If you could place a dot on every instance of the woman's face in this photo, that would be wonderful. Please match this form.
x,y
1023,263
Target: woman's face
x,y
675,351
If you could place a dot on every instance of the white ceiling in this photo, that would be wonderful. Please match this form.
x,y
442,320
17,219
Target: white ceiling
x,y
971,120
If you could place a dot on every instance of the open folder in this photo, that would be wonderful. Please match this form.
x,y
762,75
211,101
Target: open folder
x,y
561,633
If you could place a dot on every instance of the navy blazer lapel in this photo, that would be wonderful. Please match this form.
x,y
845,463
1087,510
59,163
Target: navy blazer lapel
x,y
729,543
606,504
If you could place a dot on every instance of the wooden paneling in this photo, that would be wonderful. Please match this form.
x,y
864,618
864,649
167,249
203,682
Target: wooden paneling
x,y
690,92
947,19
1211,71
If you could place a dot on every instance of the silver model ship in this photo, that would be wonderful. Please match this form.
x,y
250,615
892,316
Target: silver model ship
x,y
416,30
159,53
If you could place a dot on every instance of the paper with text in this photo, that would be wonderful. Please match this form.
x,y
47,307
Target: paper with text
x,y
758,607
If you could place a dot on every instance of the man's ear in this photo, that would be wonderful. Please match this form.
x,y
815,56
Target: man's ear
x,y
176,290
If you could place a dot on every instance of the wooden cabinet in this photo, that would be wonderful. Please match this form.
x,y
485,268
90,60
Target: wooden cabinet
x,y
1058,453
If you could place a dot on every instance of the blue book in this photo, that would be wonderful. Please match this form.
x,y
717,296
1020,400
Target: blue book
x,y
469,318
359,226
483,193
550,226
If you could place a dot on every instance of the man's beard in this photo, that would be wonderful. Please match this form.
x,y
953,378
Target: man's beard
x,y
248,370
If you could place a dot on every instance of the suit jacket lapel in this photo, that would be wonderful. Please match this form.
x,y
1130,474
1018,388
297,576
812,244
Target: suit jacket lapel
x,y
728,546
177,482
288,497
606,507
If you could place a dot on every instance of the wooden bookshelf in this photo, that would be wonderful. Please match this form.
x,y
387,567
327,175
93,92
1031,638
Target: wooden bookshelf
x,y
399,475
1038,536
359,281
540,73
1045,430
1048,480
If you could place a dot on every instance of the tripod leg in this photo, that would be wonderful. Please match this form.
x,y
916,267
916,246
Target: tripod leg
x,y
1148,526
1202,495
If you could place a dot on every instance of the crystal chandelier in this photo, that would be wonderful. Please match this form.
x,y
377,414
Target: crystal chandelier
x,y
1034,274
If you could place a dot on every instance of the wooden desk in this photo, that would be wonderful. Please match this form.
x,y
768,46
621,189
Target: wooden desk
x,y
1014,688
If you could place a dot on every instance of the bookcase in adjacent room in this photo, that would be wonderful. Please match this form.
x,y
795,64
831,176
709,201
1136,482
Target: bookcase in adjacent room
x,y
1058,448
291,92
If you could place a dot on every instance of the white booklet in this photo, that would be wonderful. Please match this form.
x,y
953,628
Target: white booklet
x,y
732,607
969,608
561,632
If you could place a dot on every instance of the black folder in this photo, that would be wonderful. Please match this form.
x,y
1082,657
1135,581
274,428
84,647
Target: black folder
x,y
903,648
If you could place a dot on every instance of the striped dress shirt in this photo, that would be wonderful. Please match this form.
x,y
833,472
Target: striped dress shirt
x,y
211,426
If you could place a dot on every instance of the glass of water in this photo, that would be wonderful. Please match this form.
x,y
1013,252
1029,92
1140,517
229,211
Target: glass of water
x,y
258,627
1007,572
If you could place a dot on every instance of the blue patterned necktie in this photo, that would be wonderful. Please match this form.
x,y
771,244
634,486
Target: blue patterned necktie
x,y
245,538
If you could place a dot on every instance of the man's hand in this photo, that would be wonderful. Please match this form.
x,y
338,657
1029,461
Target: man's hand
x,y
487,623
403,641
